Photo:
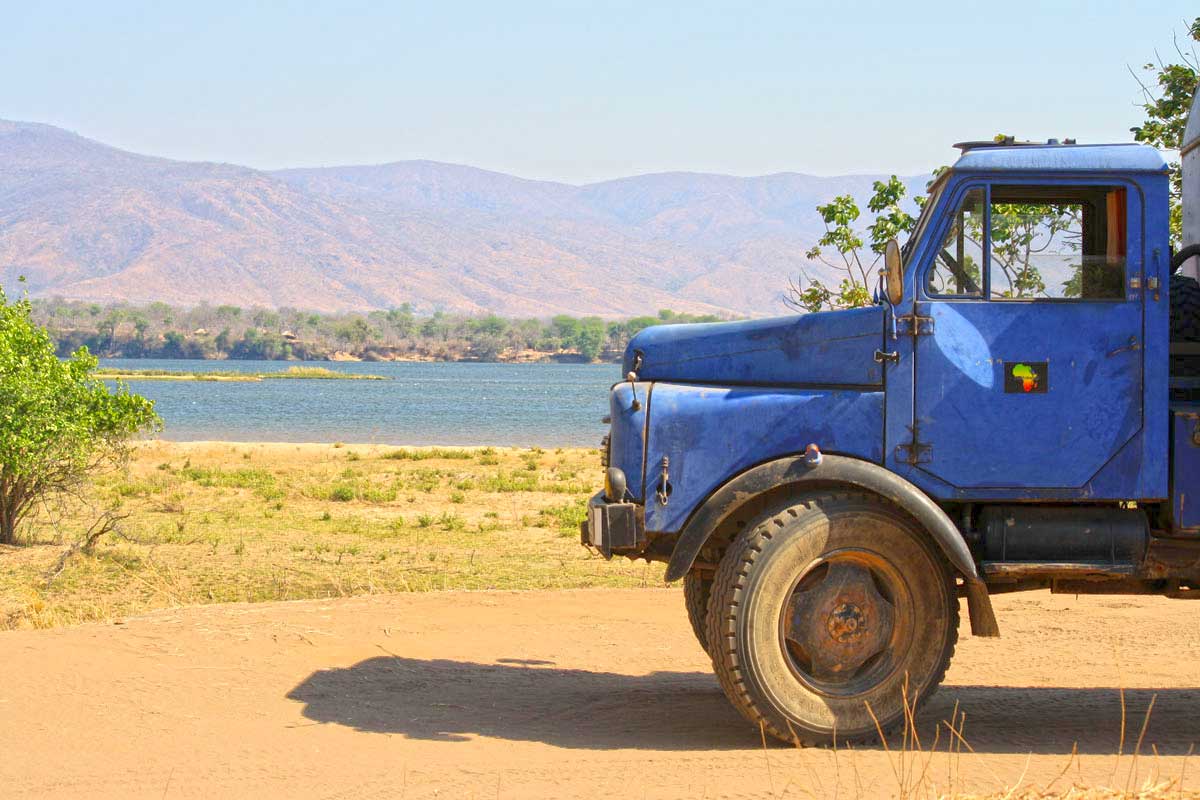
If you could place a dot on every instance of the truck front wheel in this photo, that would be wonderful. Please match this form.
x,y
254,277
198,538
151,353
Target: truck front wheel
x,y
825,612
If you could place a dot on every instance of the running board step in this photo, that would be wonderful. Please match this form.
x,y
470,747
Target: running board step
x,y
1052,569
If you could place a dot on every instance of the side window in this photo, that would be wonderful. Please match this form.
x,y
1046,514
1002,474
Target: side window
x,y
958,262
1057,242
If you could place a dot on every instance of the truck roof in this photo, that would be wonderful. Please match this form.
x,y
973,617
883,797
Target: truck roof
x,y
1061,158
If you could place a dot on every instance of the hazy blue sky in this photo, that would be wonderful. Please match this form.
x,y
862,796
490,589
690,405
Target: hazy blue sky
x,y
580,92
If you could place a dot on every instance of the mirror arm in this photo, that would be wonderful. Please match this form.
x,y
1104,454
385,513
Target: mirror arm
x,y
887,301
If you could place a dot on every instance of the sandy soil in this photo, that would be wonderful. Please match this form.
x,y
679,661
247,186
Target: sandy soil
x,y
590,693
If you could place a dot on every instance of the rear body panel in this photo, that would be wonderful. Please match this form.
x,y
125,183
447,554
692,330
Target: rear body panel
x,y
1185,472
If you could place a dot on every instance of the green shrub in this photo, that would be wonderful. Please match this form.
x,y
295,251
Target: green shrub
x,y
451,522
342,493
262,482
59,424
509,482
404,454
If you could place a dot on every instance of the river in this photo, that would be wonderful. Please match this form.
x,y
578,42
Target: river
x,y
547,405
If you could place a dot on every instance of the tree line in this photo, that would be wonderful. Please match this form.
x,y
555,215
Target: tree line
x,y
158,330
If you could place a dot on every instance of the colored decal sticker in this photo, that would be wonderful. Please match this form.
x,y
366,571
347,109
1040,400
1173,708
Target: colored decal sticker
x,y
1026,377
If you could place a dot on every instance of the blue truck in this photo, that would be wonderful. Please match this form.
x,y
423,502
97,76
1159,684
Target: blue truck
x,y
1019,410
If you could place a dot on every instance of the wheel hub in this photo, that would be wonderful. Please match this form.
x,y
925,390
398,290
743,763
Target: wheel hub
x,y
837,621
846,623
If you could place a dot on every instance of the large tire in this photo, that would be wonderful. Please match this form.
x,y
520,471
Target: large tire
x,y
695,597
1185,323
1185,309
823,611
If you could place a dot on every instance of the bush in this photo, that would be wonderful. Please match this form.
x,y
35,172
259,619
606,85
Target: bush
x,y
58,423
342,493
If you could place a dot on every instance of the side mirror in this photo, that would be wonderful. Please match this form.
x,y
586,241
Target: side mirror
x,y
893,272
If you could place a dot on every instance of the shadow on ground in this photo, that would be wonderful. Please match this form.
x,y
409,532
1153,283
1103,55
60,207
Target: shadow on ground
x,y
520,700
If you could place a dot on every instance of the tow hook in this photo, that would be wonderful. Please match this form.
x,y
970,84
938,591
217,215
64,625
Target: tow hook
x,y
664,484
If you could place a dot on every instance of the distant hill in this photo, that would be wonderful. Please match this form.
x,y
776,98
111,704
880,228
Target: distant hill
x,y
86,221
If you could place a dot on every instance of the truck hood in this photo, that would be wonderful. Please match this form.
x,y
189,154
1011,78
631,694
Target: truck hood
x,y
828,348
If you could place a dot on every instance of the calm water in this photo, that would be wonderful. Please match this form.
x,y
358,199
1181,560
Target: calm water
x,y
484,404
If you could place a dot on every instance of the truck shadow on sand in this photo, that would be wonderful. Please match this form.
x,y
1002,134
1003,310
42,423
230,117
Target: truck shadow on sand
x,y
518,700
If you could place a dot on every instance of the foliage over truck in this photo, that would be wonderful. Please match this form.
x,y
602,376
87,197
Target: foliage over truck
x,y
1020,409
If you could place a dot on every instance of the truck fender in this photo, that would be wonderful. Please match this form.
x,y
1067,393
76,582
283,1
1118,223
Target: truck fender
x,y
799,471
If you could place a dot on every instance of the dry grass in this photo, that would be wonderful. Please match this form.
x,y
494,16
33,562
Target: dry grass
x,y
929,766
215,522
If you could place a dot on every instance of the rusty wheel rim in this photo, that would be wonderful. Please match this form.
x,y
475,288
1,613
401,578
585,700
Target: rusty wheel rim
x,y
847,623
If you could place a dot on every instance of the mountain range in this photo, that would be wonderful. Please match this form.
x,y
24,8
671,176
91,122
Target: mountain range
x,y
83,220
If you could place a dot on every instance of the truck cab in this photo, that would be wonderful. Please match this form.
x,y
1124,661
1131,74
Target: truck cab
x,y
1018,410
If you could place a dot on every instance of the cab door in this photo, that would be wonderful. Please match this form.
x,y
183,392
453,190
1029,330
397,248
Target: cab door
x,y
1028,358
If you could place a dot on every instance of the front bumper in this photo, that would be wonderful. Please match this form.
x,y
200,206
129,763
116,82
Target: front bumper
x,y
613,527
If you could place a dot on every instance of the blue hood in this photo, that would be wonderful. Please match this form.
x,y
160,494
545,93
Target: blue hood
x,y
829,348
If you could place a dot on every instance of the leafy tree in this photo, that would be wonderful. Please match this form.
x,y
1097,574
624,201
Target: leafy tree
x,y
173,345
436,327
107,329
839,216
590,337
160,310
58,423
1166,103
566,328
355,331
402,320
491,326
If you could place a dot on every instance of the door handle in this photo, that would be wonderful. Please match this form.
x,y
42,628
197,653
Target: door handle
x,y
1132,346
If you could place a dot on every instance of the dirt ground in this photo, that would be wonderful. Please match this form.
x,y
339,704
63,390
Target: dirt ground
x,y
582,693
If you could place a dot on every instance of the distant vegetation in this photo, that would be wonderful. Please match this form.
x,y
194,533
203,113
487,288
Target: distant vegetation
x,y
158,330
307,373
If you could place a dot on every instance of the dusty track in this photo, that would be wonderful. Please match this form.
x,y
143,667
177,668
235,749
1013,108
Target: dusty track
x,y
545,694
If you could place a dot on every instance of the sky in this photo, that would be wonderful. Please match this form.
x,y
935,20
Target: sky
x,y
581,92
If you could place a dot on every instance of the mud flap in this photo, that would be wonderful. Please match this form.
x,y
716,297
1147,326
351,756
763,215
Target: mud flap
x,y
979,609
